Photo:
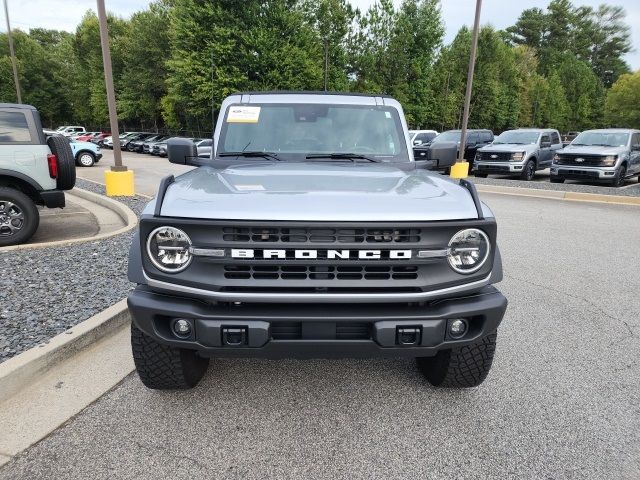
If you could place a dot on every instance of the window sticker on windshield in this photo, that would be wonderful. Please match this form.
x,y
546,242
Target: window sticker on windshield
x,y
387,114
243,115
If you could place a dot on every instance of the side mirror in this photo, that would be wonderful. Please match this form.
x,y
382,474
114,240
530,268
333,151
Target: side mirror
x,y
636,147
417,143
545,144
183,152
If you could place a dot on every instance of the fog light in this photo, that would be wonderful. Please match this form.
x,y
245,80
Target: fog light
x,y
182,327
457,327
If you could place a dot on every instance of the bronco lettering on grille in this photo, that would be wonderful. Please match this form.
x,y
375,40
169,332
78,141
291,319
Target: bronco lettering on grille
x,y
328,254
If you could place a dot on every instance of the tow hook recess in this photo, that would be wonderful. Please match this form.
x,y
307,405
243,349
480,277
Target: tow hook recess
x,y
234,336
408,335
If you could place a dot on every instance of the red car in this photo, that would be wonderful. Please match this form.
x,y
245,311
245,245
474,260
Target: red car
x,y
94,137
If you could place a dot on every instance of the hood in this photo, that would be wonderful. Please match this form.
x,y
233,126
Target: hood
x,y
592,150
317,192
509,147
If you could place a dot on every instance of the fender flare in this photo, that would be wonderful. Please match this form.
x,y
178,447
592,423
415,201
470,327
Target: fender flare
x,y
22,177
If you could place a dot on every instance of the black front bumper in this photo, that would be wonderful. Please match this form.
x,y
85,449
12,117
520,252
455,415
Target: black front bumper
x,y
53,198
315,330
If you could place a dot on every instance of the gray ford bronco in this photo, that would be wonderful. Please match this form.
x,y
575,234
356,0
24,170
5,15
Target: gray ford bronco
x,y
309,231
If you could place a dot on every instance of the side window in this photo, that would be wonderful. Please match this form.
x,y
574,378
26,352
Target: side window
x,y
555,138
473,138
487,137
635,140
545,138
14,128
424,137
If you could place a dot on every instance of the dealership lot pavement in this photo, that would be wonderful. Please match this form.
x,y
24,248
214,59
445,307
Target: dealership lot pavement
x,y
562,401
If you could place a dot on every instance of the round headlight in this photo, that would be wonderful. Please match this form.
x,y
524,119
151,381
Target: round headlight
x,y
168,249
468,250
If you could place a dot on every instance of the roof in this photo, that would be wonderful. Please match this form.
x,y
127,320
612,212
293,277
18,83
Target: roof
x,y
312,92
17,105
612,130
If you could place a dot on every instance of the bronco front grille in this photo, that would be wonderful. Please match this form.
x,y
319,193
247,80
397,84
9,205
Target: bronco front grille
x,y
320,272
321,235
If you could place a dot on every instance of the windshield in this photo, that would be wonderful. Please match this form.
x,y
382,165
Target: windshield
x,y
294,131
450,136
605,139
519,138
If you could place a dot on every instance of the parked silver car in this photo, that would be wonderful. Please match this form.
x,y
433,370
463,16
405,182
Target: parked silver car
x,y
518,152
606,155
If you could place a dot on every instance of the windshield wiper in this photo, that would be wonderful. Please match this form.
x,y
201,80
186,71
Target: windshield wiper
x,y
251,154
343,156
579,145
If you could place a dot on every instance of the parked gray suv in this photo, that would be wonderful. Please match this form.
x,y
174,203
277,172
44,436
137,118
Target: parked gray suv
x,y
33,171
309,232
606,155
519,152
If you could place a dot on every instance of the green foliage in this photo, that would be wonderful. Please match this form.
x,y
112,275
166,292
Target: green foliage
x,y
175,61
623,102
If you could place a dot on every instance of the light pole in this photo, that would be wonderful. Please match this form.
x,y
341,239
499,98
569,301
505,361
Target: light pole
x,y
119,180
13,54
461,168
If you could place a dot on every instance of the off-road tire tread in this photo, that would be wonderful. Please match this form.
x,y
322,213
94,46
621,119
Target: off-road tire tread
x,y
162,367
60,147
464,367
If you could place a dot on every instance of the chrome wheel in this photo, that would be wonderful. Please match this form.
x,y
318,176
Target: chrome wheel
x,y
11,218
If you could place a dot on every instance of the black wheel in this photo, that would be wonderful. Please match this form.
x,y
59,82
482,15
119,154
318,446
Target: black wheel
x,y
461,367
529,171
165,368
556,180
86,159
60,147
618,180
19,217
481,175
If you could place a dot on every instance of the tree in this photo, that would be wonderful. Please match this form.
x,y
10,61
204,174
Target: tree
x,y
623,101
143,47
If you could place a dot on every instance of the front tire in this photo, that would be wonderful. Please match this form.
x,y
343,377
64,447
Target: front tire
x,y
618,181
460,367
86,159
529,171
19,217
162,367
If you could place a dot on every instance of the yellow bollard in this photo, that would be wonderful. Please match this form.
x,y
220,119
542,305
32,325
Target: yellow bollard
x,y
459,170
119,184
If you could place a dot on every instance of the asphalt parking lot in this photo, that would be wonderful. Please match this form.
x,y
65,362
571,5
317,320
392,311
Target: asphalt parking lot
x,y
562,400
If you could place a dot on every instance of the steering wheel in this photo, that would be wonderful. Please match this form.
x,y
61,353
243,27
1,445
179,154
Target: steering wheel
x,y
313,143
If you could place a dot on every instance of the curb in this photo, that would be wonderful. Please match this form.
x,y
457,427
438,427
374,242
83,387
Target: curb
x,y
558,194
125,213
23,369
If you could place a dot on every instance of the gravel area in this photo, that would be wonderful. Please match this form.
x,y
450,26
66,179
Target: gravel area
x,y
632,188
49,290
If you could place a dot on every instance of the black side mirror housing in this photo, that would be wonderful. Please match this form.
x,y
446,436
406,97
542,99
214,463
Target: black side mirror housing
x,y
183,151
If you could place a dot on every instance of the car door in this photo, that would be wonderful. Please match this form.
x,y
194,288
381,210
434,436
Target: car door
x,y
634,153
545,152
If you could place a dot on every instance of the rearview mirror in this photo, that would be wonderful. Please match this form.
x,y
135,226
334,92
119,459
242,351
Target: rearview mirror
x,y
183,152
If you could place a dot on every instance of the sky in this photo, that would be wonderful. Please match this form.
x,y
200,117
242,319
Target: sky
x,y
66,14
